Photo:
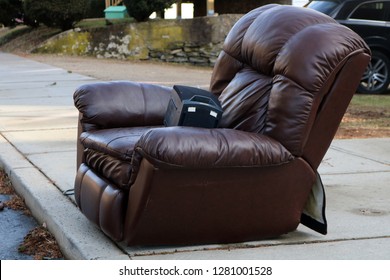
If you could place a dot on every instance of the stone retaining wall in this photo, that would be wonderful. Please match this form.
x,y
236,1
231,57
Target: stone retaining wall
x,y
196,41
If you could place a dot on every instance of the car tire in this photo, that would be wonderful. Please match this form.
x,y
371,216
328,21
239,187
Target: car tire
x,y
376,78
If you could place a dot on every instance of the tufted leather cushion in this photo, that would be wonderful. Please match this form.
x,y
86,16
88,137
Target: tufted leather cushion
x,y
110,151
273,82
101,202
248,92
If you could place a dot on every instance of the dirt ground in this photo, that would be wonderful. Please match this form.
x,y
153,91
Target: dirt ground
x,y
347,132
357,123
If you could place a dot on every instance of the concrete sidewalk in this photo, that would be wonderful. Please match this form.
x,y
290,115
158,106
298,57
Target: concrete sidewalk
x,y
38,125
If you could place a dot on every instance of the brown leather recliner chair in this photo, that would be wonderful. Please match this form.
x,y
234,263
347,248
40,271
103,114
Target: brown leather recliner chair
x,y
284,78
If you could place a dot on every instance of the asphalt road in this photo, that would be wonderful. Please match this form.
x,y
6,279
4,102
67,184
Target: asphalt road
x,y
14,226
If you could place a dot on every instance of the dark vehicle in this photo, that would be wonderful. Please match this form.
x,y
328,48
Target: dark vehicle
x,y
371,20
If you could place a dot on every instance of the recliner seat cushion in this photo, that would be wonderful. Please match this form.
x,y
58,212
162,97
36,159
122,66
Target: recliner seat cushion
x,y
110,151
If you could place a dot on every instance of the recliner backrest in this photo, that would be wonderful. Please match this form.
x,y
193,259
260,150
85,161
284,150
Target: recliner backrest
x,y
277,66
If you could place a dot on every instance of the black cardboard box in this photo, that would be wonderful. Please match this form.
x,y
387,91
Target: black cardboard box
x,y
190,106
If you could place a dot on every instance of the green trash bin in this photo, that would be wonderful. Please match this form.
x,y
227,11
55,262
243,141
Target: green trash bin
x,y
115,12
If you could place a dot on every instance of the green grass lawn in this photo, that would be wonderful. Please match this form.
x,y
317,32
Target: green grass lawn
x,y
372,101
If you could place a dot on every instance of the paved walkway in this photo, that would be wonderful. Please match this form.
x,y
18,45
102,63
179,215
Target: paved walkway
x,y
38,125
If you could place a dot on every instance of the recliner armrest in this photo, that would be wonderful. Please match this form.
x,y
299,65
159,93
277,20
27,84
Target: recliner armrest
x,y
121,104
191,147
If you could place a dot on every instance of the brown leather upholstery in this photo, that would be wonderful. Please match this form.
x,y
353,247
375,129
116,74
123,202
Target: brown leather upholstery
x,y
284,78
